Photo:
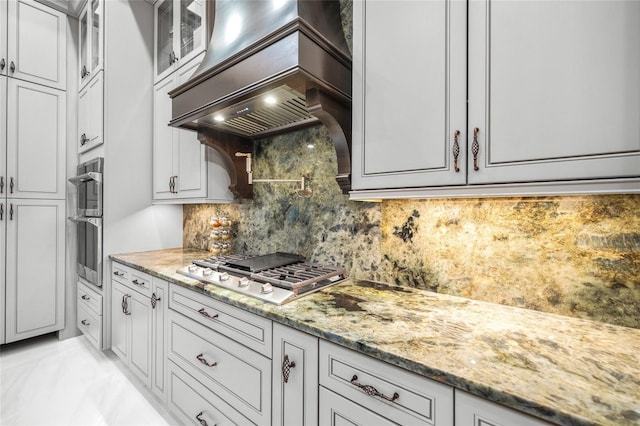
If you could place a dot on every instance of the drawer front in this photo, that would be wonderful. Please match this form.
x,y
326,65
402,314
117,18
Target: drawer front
x,y
335,410
239,375
251,330
89,299
120,273
132,278
90,324
347,373
192,402
474,411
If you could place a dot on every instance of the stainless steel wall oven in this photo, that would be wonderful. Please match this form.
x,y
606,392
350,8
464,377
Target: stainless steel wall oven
x,y
88,220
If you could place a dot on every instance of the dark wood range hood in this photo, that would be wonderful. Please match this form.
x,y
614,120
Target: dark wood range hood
x,y
272,66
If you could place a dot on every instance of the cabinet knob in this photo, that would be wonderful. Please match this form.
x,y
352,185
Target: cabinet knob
x,y
456,150
83,139
12,67
475,148
2,64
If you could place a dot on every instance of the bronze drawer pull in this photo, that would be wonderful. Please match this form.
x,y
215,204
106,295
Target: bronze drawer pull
x,y
85,297
138,283
205,314
456,150
371,391
475,148
118,273
286,368
205,362
85,322
199,418
154,300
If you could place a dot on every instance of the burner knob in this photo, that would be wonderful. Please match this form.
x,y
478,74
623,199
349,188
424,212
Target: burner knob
x,y
193,268
266,289
243,282
223,276
206,272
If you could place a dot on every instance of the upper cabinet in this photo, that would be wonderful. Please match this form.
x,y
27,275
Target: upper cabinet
x,y
179,34
553,98
91,41
34,47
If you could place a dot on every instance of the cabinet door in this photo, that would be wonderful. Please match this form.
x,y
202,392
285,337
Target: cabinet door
x,y
474,411
3,239
96,39
163,154
84,45
34,295
90,114
140,337
159,339
3,136
165,22
120,297
554,90
4,60
37,43
409,68
192,31
190,168
295,377
36,123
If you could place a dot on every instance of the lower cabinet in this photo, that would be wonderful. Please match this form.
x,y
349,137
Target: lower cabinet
x,y
353,383
474,411
295,377
138,332
89,318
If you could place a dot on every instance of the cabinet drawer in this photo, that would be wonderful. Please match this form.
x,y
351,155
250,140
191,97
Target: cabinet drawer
x,y
419,399
243,327
90,324
191,401
132,278
239,375
89,298
474,411
335,410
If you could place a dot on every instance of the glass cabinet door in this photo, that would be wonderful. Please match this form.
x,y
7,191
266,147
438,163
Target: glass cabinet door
x,y
165,54
96,31
84,45
191,28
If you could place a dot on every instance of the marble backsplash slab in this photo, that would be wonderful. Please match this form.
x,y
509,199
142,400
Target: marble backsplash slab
x,y
576,256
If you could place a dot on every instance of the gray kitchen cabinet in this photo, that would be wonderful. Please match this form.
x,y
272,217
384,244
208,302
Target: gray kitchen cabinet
x,y
89,317
34,302
295,377
552,107
471,410
138,313
90,114
350,379
91,41
179,34
35,47
184,170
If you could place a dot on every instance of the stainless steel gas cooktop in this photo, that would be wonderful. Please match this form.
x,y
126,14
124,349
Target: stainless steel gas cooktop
x,y
275,278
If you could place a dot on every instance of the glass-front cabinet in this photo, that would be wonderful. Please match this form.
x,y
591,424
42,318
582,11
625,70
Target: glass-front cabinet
x,y
174,48
91,40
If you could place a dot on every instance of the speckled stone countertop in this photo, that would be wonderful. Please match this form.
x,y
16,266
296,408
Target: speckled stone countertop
x,y
561,369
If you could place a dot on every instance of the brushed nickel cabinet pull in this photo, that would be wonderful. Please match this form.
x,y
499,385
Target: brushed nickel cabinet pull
x,y
205,314
456,150
154,300
371,391
205,362
202,421
475,148
286,368
85,322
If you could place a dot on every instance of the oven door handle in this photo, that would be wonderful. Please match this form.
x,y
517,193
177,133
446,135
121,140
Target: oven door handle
x,y
95,221
97,176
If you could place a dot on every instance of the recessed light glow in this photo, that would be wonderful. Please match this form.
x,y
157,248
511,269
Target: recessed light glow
x,y
311,146
270,100
218,118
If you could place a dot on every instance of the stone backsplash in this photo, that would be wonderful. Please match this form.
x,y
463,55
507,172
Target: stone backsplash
x,y
576,256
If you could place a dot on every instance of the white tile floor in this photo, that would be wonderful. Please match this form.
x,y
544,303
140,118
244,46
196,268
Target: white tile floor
x,y
45,381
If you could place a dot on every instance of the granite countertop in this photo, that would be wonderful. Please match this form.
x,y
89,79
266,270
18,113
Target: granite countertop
x,y
561,369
